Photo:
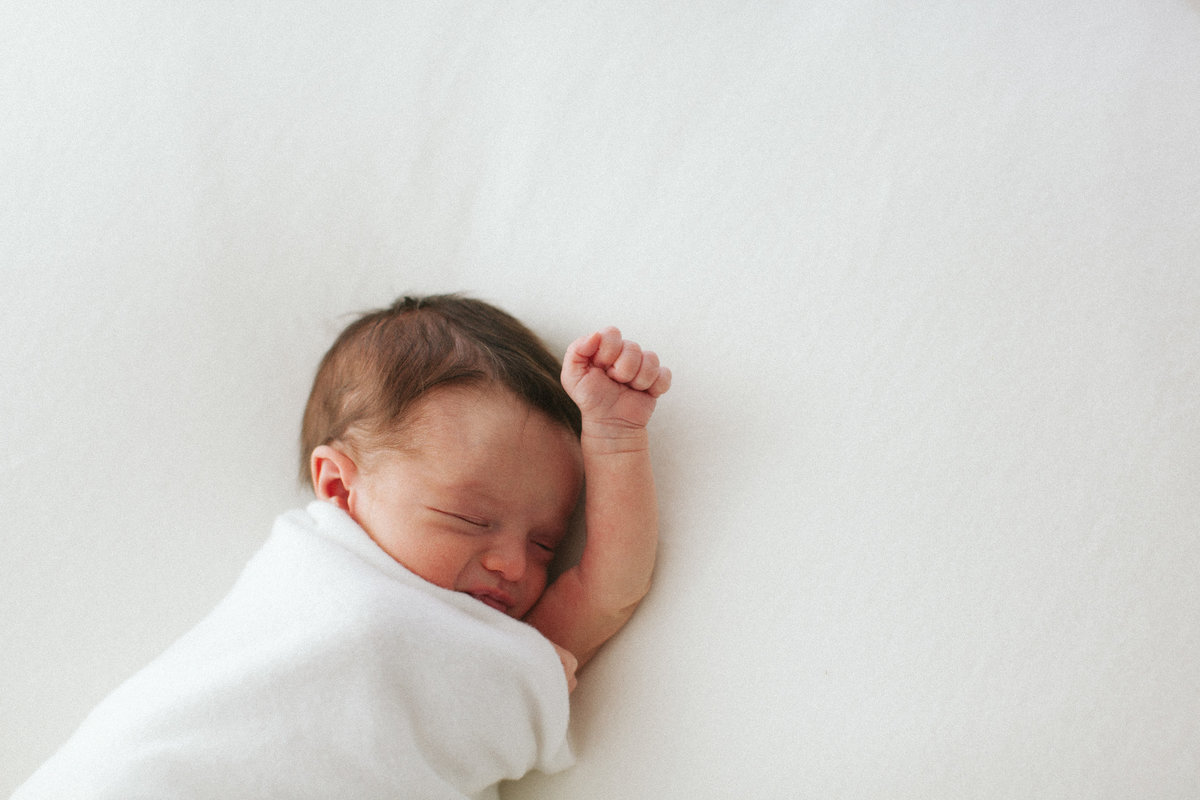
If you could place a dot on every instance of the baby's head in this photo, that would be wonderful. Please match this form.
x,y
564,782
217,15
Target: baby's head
x,y
387,360
440,425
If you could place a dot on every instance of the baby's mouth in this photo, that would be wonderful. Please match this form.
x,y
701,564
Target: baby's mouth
x,y
497,600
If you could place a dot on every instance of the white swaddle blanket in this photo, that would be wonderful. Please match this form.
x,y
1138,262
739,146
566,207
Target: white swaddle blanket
x,y
328,671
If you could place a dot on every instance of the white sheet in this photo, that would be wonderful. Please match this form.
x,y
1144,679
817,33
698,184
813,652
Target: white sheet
x,y
328,671
927,276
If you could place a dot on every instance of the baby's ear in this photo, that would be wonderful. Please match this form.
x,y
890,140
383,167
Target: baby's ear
x,y
333,475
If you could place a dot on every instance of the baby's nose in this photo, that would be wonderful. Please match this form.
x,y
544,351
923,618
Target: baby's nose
x,y
507,558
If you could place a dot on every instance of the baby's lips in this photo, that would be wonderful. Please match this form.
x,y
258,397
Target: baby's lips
x,y
497,599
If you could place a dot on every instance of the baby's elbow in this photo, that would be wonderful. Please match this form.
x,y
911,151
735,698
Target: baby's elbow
x,y
621,604
613,601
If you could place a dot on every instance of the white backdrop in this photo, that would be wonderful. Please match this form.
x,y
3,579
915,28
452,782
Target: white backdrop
x,y
928,276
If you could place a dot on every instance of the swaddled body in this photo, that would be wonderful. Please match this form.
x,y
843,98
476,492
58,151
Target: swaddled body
x,y
328,671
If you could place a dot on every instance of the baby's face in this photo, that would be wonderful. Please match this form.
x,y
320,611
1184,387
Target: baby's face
x,y
480,501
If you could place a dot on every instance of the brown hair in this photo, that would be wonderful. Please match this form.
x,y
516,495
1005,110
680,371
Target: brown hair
x,y
388,359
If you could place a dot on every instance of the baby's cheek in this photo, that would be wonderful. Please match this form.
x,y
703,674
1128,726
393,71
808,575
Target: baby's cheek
x,y
531,592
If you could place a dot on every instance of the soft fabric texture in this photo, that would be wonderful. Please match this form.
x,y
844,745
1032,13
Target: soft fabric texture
x,y
328,671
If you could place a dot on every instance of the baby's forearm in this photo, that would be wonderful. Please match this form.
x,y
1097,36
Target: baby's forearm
x,y
589,603
621,514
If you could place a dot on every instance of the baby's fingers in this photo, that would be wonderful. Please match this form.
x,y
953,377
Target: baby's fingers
x,y
570,664
578,358
647,372
628,363
661,383
609,349
640,370
623,361
584,348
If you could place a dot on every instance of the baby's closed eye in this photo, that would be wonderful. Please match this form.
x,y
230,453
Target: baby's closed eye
x,y
470,519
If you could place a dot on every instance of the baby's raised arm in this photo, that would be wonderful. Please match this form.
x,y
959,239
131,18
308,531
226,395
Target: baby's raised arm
x,y
615,384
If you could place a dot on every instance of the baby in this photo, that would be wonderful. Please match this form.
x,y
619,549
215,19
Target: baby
x,y
397,637
440,427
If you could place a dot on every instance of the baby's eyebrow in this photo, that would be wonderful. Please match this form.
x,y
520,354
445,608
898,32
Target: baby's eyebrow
x,y
472,492
474,486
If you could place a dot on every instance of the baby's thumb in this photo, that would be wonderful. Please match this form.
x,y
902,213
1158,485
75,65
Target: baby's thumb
x,y
569,664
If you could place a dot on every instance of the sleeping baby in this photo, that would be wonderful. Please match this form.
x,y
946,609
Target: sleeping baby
x,y
397,637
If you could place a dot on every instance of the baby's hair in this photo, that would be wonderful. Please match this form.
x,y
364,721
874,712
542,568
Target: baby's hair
x,y
388,359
